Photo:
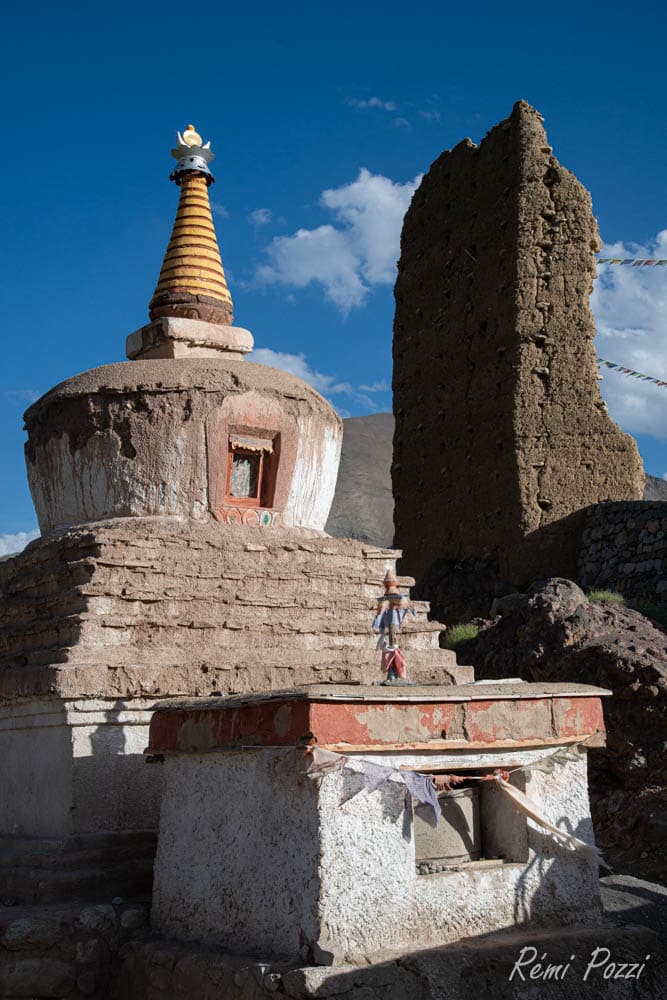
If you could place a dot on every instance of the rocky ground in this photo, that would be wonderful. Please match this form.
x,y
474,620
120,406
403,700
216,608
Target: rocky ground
x,y
107,951
554,633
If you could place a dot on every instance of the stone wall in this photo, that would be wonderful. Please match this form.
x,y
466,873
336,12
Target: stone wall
x,y
160,970
67,951
624,548
501,435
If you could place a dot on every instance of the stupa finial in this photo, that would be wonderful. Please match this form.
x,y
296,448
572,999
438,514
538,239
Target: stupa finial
x,y
192,153
192,280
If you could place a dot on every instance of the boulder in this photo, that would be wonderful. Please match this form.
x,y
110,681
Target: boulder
x,y
554,633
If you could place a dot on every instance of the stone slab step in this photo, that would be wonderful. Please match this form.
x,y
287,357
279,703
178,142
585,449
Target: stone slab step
x,y
63,871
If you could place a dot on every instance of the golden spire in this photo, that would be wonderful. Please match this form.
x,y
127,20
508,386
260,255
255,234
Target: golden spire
x,y
192,280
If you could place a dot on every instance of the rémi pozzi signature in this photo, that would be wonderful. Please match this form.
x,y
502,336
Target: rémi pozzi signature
x,y
530,965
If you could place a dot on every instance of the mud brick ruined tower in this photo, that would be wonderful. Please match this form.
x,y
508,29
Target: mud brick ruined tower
x,y
182,497
501,437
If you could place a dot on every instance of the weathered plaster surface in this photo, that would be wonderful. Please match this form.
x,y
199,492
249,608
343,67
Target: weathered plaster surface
x,y
431,717
130,439
315,473
372,899
253,857
76,767
238,854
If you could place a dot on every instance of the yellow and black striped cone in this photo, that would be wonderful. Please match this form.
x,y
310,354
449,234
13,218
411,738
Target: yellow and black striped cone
x,y
192,280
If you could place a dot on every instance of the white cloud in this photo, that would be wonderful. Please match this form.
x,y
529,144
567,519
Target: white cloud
x,y
219,209
298,365
430,116
630,307
353,256
10,544
401,123
260,217
319,255
381,386
372,102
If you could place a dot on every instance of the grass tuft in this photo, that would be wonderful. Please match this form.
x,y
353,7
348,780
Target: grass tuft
x,y
457,634
605,595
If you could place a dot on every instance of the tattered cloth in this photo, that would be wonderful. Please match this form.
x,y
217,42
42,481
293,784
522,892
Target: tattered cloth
x,y
418,786
422,788
392,657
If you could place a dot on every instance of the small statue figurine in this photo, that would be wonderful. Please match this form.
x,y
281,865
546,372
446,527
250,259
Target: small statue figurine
x,y
391,610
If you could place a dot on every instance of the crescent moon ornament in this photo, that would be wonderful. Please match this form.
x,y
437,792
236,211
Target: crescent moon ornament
x,y
191,137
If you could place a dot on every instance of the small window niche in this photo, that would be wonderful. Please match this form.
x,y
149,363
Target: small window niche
x,y
479,828
251,470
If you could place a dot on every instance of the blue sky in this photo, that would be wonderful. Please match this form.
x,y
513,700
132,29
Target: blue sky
x,y
321,118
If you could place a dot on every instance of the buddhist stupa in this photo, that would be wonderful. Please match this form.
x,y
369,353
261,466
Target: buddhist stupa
x,y
182,497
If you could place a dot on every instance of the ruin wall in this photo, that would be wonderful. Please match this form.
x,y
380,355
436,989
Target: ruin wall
x,y
501,435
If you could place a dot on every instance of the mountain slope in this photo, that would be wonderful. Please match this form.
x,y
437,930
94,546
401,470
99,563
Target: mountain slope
x,y
363,505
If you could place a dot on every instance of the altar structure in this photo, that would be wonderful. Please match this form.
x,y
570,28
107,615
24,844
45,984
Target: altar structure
x,y
182,497
304,826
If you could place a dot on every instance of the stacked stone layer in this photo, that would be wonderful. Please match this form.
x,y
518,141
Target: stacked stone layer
x,y
151,606
109,953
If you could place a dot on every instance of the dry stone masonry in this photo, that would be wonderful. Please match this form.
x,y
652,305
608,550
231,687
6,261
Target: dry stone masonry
x,y
501,434
624,548
106,952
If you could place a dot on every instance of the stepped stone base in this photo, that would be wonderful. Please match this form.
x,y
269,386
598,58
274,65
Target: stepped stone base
x,y
67,950
76,868
80,803
139,607
108,953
